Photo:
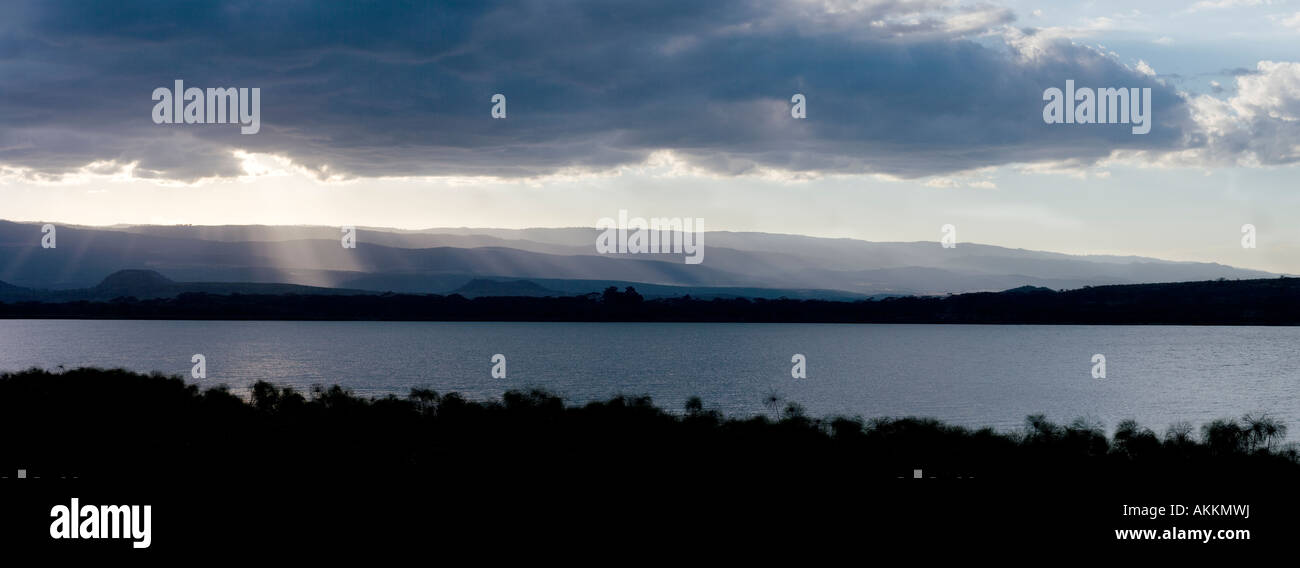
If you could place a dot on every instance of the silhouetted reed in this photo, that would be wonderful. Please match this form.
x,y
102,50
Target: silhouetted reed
x,y
114,422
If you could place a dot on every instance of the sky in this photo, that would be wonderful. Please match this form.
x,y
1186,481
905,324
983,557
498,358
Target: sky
x,y
918,114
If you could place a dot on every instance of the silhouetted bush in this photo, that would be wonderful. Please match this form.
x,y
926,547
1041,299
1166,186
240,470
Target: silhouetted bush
x,y
1134,441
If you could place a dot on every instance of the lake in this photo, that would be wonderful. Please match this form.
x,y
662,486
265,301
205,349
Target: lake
x,y
975,375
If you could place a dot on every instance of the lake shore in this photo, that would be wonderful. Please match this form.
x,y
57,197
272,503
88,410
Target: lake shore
x,y
1272,301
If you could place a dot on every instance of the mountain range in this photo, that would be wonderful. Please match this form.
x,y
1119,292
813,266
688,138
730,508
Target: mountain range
x,y
531,262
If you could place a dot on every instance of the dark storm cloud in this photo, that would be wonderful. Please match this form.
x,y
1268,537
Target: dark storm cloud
x,y
388,88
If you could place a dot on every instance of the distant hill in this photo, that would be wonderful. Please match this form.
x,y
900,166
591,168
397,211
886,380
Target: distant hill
x,y
138,283
1028,290
440,261
145,284
484,287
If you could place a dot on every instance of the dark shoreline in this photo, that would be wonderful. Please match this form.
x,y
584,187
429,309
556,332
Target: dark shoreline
x,y
1273,301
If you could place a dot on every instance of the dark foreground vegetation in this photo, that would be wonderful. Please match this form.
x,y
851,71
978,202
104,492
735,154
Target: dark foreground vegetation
x,y
325,471
1239,302
92,422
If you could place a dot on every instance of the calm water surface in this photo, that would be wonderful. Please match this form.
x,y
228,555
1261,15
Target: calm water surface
x,y
972,375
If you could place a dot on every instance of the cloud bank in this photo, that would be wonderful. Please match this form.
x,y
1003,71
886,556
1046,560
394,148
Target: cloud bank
x,y
900,88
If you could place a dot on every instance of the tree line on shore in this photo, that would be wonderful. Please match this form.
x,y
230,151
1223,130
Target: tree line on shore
x,y
1239,302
